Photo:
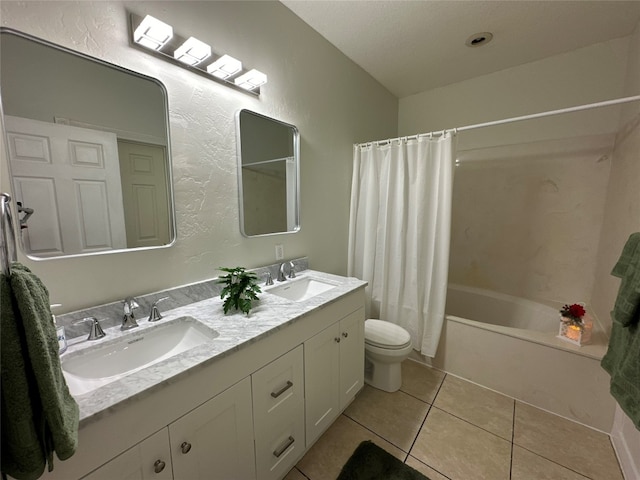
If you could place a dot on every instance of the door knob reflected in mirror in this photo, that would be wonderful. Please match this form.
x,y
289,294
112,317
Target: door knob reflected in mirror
x,y
158,466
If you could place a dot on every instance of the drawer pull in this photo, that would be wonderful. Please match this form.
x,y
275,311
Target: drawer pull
x,y
185,447
158,466
345,334
337,339
282,390
279,451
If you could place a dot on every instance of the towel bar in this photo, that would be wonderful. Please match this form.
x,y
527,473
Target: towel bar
x,y
8,252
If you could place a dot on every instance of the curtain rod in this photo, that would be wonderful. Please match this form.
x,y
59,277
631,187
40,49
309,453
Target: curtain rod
x,y
550,113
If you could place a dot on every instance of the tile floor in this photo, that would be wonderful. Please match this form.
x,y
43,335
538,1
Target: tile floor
x,y
448,428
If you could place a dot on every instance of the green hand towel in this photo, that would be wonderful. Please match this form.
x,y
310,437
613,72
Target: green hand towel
x,y
37,407
627,307
622,360
22,455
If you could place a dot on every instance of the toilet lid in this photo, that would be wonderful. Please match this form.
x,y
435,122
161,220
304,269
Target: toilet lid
x,y
385,334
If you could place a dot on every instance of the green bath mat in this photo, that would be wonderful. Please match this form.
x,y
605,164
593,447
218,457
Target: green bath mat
x,y
370,462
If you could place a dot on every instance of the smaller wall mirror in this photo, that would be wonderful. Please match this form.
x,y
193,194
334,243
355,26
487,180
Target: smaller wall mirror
x,y
268,175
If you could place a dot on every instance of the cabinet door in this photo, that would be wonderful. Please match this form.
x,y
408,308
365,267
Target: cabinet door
x,y
322,381
278,415
351,356
215,441
150,459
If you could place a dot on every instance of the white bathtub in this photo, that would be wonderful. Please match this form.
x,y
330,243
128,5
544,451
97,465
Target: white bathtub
x,y
509,344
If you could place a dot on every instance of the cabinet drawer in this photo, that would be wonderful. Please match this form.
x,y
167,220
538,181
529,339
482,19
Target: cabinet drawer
x,y
278,408
278,386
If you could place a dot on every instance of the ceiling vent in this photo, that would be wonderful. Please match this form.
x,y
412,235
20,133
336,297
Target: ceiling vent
x,y
479,39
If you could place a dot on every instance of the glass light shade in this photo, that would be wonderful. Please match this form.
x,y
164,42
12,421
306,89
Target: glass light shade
x,y
152,33
193,51
250,80
225,67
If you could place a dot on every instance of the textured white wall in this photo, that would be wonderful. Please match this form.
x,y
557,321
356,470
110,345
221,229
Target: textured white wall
x,y
311,85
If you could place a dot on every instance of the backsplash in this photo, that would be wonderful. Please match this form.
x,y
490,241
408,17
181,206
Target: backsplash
x,y
110,315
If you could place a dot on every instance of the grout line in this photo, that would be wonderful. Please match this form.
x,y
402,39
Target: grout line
x,y
514,444
301,472
375,433
556,463
425,417
472,424
513,434
429,466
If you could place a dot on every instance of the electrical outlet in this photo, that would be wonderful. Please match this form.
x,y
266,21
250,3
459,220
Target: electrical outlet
x,y
279,252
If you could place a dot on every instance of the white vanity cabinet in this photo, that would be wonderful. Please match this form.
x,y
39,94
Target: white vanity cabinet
x,y
215,440
149,459
278,415
333,372
249,415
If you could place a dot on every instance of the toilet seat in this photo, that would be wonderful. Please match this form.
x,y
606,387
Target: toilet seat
x,y
387,335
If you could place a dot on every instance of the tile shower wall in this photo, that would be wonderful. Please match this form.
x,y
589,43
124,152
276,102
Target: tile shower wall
x,y
332,101
526,218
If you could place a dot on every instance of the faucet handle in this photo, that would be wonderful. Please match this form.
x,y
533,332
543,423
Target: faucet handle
x,y
269,280
128,320
130,304
95,332
154,314
292,270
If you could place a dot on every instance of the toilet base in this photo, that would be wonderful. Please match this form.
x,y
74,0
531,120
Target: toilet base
x,y
383,376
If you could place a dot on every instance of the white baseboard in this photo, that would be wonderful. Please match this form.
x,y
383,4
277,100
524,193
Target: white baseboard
x,y
626,443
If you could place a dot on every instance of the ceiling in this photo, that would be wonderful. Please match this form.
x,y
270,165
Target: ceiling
x,y
413,46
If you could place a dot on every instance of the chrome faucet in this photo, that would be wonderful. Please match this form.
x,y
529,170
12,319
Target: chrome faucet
x,y
281,275
95,331
128,320
292,272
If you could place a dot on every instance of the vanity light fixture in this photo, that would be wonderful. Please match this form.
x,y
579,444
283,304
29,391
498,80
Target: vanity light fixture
x,y
152,33
251,80
158,38
226,66
192,52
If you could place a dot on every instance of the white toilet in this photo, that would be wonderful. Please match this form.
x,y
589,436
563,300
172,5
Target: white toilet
x,y
386,346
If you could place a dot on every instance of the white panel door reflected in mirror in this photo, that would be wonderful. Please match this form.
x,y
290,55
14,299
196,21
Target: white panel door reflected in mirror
x,y
88,151
268,175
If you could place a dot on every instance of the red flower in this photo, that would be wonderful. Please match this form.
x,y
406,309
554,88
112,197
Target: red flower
x,y
575,311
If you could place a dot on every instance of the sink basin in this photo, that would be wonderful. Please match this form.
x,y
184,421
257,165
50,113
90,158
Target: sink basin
x,y
134,351
300,289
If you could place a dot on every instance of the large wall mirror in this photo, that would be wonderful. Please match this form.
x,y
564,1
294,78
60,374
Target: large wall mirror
x,y
88,151
269,175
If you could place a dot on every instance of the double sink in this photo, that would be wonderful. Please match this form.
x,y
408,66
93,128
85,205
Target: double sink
x,y
112,359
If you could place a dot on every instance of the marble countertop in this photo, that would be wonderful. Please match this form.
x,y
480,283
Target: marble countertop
x,y
236,331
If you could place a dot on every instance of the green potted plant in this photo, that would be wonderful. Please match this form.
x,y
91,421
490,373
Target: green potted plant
x,y
240,289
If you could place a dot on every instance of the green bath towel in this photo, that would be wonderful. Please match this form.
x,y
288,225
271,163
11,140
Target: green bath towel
x,y
627,307
39,415
622,360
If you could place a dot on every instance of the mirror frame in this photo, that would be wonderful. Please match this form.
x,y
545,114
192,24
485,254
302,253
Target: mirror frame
x,y
169,172
296,156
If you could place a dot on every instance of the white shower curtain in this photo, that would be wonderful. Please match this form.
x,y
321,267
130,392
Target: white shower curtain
x,y
399,232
